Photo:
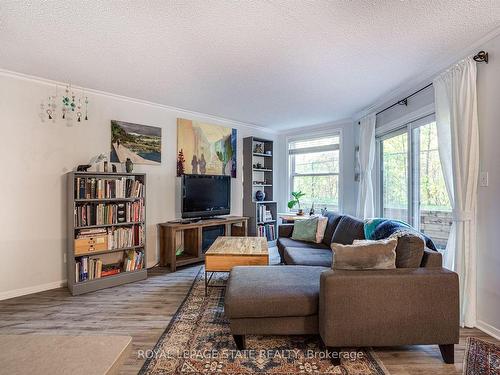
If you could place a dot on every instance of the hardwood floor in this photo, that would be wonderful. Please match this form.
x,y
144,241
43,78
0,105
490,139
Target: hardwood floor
x,y
141,310
144,309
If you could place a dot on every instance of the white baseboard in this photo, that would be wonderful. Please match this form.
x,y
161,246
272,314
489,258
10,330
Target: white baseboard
x,y
489,329
31,289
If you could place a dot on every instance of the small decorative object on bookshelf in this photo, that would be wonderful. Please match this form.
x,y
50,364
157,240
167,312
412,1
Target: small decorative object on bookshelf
x,y
106,223
257,179
129,165
260,195
258,148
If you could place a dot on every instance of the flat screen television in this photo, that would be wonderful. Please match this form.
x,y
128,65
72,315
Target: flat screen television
x,y
205,195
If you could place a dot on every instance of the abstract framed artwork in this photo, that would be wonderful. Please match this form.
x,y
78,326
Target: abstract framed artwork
x,y
205,148
139,143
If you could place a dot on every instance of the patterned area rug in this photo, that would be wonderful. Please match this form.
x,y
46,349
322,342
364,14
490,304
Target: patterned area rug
x,y
481,357
198,341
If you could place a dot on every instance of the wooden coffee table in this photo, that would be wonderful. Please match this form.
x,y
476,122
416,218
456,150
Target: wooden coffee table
x,y
227,252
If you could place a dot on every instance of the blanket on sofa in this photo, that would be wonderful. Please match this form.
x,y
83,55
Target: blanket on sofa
x,y
380,228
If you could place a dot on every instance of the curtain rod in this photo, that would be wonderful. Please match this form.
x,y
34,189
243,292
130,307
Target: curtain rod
x,y
480,57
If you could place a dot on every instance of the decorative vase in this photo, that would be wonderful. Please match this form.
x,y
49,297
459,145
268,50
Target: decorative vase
x,y
260,195
129,165
300,212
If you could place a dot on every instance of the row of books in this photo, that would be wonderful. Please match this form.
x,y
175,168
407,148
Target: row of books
x,y
103,188
117,238
263,213
134,260
267,230
111,213
90,268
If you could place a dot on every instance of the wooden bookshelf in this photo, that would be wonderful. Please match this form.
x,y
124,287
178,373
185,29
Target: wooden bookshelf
x,y
118,254
259,177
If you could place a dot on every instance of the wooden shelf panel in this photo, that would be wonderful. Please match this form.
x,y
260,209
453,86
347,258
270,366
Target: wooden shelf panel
x,y
91,253
81,200
261,185
111,225
266,222
262,170
182,260
107,174
262,155
108,281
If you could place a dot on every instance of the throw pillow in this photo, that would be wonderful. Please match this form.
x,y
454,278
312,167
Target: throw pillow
x,y
410,251
320,232
305,230
365,255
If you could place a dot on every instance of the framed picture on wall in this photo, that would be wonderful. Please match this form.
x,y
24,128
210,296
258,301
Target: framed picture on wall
x,y
205,148
139,143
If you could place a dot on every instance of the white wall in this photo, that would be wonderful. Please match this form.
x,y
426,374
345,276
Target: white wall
x,y
488,266
349,187
36,156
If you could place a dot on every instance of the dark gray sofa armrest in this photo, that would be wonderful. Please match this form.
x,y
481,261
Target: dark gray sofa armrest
x,y
285,230
401,306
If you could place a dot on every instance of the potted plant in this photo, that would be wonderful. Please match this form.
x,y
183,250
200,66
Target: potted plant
x,y
296,195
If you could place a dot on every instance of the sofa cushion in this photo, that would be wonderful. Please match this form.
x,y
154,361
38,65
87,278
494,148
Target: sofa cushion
x,y
284,242
409,251
308,257
333,221
348,230
365,255
272,291
305,230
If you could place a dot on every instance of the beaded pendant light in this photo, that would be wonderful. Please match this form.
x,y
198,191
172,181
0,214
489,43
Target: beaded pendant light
x,y
70,104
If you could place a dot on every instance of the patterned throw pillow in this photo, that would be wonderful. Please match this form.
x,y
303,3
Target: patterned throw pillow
x,y
320,233
365,255
305,230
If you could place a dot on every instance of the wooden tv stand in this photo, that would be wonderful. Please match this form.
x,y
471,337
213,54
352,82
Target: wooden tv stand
x,y
191,235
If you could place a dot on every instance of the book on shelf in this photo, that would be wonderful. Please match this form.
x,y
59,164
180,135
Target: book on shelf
x,y
263,213
90,268
108,188
108,213
87,268
116,238
267,230
134,260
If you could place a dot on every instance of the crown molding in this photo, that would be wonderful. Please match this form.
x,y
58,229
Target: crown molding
x,y
317,128
46,81
426,76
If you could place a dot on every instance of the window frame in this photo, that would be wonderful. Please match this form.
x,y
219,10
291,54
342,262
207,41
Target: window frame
x,y
291,165
413,187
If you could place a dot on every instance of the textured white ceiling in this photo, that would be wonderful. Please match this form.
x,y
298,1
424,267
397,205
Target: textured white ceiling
x,y
278,64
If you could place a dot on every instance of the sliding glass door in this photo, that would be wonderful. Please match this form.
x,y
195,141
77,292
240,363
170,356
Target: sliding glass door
x,y
411,185
394,150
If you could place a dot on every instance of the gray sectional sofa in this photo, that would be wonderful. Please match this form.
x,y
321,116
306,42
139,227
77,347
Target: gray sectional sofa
x,y
342,229
415,304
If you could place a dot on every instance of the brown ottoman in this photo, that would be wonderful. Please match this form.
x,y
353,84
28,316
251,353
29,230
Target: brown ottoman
x,y
276,300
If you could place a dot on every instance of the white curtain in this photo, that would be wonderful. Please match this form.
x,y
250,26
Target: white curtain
x,y
366,203
458,137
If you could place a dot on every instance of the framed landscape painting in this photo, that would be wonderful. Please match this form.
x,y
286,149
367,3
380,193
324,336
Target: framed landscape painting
x,y
140,143
205,148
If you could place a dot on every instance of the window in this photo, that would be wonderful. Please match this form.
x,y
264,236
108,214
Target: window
x,y
315,170
411,182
